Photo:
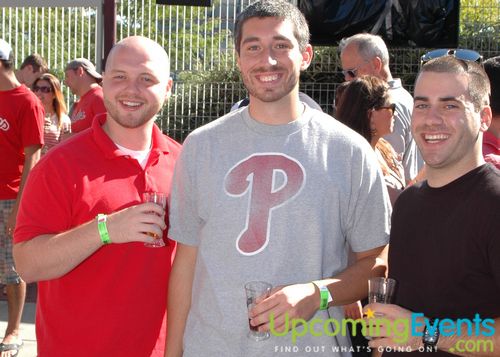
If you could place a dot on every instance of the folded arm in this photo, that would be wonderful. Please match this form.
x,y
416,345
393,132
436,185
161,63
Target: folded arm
x,y
50,256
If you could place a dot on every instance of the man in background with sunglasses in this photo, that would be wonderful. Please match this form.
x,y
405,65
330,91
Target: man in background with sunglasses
x,y
444,245
21,138
367,54
491,138
84,81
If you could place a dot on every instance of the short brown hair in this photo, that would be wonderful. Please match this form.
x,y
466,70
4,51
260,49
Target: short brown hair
x,y
479,84
37,62
279,9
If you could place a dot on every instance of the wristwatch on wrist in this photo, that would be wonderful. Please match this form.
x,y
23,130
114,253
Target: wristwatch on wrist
x,y
429,339
325,296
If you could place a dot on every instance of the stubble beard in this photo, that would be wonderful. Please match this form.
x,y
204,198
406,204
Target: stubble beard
x,y
269,96
135,119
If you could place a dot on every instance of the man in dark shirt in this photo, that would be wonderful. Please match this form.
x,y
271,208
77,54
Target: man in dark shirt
x,y
444,244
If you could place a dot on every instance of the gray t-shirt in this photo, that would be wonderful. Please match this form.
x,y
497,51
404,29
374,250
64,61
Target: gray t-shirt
x,y
401,138
278,203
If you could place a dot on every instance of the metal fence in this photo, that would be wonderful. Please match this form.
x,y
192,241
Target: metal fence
x,y
199,42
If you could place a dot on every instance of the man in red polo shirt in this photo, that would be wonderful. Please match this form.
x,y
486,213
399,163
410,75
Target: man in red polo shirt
x,y
82,227
21,138
83,80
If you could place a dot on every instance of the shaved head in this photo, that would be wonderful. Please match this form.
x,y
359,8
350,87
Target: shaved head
x,y
141,46
136,81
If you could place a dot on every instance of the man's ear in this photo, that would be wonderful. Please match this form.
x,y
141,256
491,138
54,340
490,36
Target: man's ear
x,y
307,56
170,83
237,59
30,68
486,117
377,63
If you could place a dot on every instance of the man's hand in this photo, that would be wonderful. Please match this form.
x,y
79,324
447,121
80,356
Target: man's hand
x,y
353,311
133,224
390,326
50,256
292,301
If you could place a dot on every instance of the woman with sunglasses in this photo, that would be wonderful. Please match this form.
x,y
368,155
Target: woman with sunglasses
x,y
48,89
365,106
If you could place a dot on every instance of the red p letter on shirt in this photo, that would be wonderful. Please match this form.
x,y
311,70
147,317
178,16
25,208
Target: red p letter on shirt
x,y
260,174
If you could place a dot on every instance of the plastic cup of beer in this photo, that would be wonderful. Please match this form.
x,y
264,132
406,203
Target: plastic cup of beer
x,y
159,198
381,290
255,290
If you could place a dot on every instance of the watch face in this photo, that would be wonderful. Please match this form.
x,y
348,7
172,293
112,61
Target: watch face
x,y
431,339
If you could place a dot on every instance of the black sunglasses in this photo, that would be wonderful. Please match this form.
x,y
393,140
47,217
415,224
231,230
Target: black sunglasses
x,y
462,54
350,72
42,89
391,107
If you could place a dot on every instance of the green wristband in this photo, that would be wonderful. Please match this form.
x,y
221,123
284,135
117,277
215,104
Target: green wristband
x,y
103,230
324,295
324,299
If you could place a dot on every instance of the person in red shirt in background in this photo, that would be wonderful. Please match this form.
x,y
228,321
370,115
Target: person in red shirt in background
x,y
84,81
21,138
82,224
32,68
491,138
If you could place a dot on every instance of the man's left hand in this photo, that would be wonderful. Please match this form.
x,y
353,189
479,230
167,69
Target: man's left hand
x,y
299,301
390,326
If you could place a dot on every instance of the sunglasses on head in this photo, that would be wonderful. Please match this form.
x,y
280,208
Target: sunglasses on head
x,y
42,89
462,54
391,107
350,72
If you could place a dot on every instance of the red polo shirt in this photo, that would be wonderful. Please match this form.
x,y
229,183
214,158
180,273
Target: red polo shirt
x,y
21,125
114,302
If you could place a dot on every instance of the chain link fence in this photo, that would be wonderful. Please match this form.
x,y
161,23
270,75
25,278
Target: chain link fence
x,y
200,45
203,94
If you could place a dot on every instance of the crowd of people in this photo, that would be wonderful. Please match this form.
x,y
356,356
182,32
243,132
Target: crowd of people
x,y
399,186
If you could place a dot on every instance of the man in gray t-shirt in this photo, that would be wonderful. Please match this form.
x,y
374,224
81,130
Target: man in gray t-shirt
x,y
275,191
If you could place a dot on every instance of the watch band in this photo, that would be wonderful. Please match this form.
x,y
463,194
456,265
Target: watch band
x,y
429,339
325,295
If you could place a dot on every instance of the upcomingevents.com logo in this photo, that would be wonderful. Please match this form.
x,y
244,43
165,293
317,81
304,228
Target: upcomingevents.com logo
x,y
400,330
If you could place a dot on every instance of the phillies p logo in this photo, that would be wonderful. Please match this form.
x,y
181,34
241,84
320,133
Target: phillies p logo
x,y
270,180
